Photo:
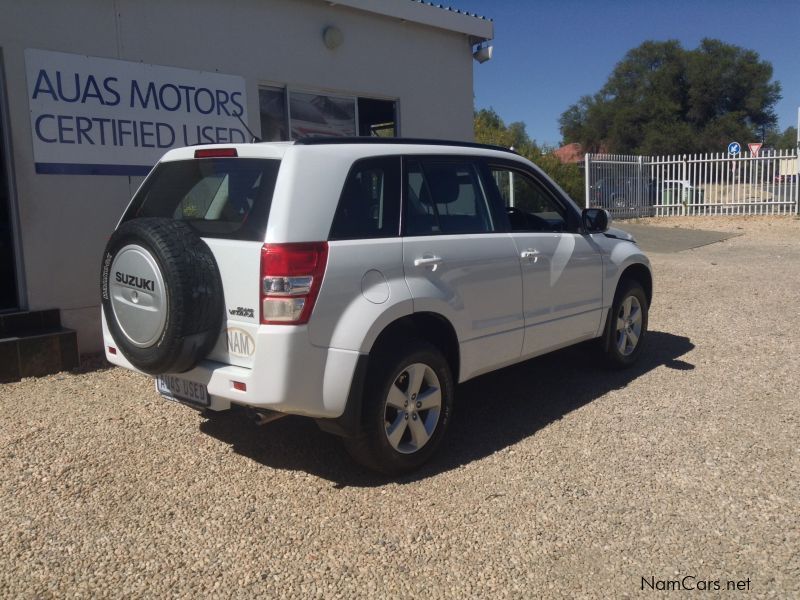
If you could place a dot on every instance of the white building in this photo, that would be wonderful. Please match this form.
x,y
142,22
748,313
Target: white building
x,y
92,92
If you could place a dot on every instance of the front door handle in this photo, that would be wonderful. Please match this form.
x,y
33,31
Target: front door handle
x,y
531,254
428,261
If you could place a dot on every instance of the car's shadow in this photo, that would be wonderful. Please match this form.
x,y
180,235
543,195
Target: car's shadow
x,y
491,412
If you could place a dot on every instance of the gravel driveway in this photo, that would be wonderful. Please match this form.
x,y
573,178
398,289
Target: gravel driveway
x,y
559,479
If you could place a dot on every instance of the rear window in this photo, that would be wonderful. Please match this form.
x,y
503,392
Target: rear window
x,y
217,197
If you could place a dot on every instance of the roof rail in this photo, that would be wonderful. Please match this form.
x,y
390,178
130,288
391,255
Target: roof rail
x,y
319,141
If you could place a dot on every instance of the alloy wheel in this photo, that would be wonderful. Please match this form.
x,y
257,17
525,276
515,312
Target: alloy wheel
x,y
629,325
412,408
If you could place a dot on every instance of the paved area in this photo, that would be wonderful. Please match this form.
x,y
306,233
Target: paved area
x,y
560,479
671,239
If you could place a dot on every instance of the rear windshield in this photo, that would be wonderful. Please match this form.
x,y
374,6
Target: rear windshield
x,y
218,197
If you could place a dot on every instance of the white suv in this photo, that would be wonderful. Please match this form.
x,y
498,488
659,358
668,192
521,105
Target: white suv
x,y
356,281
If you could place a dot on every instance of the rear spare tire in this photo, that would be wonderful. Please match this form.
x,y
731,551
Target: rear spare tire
x,y
161,295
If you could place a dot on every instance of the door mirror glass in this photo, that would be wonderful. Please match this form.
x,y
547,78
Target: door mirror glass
x,y
596,220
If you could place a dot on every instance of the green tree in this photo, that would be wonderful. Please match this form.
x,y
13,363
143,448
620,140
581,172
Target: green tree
x,y
786,140
490,129
663,99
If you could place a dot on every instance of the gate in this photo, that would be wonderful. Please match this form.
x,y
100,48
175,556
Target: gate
x,y
620,184
696,184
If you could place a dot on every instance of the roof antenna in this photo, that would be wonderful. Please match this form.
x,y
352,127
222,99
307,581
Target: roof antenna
x,y
255,138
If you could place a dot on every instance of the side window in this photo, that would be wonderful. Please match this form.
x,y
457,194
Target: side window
x,y
369,206
445,197
529,205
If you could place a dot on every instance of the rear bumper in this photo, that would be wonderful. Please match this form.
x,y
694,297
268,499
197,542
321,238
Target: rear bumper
x,y
289,374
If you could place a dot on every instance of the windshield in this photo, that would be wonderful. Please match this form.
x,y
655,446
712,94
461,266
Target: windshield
x,y
217,197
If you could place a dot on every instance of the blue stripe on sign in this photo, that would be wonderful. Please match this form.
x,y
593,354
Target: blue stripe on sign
x,y
75,169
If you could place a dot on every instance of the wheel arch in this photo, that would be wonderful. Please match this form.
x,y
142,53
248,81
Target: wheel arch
x,y
428,326
641,273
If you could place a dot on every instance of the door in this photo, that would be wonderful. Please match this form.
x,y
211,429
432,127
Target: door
x,y
459,262
8,278
561,268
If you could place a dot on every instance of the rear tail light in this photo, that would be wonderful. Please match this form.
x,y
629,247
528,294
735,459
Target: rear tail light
x,y
291,275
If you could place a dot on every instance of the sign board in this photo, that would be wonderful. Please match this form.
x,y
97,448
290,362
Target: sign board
x,y
734,148
754,148
101,116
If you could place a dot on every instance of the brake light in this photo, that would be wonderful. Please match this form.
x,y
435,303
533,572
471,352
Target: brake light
x,y
216,153
291,275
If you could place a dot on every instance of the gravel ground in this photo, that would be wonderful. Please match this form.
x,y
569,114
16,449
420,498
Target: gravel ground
x,y
559,480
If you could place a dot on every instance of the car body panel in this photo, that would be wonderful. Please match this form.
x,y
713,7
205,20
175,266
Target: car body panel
x,y
237,340
363,293
476,287
562,288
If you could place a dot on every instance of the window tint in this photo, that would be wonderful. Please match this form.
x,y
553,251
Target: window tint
x,y
445,197
529,205
369,206
225,197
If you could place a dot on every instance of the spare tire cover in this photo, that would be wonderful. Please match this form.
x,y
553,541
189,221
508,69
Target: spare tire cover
x,y
161,295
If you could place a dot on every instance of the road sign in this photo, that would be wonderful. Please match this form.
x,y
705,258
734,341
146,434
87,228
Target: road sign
x,y
754,148
734,148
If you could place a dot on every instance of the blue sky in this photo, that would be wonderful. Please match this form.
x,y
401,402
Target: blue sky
x,y
548,53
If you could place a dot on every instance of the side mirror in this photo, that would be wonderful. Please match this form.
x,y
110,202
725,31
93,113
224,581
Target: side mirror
x,y
595,220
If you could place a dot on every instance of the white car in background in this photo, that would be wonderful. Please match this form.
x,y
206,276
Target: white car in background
x,y
679,191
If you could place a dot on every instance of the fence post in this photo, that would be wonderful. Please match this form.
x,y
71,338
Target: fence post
x,y
586,176
639,203
796,175
684,163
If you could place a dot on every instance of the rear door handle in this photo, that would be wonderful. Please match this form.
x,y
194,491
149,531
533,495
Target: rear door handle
x,y
427,261
532,254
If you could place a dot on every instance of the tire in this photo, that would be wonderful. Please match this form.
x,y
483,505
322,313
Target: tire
x,y
393,438
626,327
161,295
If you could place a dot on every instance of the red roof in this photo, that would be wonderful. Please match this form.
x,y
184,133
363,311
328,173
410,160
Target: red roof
x,y
570,153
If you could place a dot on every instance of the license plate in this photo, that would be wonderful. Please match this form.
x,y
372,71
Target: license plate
x,y
182,390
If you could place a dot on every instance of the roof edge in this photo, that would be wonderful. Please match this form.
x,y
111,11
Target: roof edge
x,y
397,141
418,11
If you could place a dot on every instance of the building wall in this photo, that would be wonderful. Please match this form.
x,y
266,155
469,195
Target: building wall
x,y
66,219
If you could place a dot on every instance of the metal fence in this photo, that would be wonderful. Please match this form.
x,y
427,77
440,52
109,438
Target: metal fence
x,y
696,184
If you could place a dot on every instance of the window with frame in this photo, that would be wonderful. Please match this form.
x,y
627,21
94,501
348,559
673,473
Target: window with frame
x,y
445,197
369,206
529,205
289,115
